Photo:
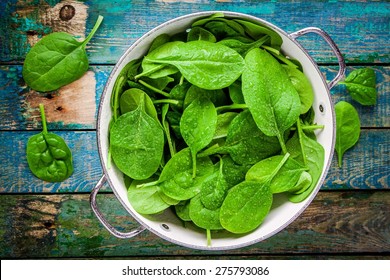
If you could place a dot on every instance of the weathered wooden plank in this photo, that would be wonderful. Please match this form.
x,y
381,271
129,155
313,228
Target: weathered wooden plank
x,y
336,223
359,28
75,106
366,166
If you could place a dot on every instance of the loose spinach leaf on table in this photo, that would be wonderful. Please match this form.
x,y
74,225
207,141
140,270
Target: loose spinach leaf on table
x,y
56,60
48,156
361,85
347,128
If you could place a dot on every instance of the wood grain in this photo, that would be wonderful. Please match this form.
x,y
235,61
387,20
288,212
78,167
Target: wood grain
x,y
336,223
357,27
75,106
366,166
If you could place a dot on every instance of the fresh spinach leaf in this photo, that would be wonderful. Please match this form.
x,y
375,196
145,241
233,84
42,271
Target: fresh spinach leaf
x,y
197,126
361,85
245,142
284,180
302,84
199,33
56,60
146,200
137,143
204,64
311,154
248,203
213,189
347,128
131,99
48,156
269,94
203,217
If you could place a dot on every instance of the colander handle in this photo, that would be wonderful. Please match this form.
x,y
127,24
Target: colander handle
x,y
99,215
333,47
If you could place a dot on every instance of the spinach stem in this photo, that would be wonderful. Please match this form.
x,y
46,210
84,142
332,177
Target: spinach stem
x,y
166,101
210,151
282,144
154,89
43,118
148,184
208,234
94,29
193,154
231,107
300,132
280,165
152,70
310,127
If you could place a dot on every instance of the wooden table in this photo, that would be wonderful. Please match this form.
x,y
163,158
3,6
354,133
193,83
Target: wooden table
x,y
349,218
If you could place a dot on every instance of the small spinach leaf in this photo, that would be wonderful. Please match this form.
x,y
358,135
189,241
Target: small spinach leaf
x,y
197,126
361,85
248,203
347,128
202,216
284,180
48,156
146,200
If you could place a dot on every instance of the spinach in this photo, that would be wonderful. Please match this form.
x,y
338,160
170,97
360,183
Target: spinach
x,y
284,180
347,128
197,126
146,200
205,114
56,60
248,203
204,64
213,189
202,216
137,143
130,100
48,156
199,33
182,210
311,154
361,85
247,144
269,94
256,31
303,87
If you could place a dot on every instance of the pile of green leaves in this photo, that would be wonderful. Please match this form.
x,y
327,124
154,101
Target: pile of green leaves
x,y
212,122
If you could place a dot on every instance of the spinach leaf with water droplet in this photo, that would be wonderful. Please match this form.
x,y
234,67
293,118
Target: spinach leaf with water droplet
x,y
49,157
56,60
347,128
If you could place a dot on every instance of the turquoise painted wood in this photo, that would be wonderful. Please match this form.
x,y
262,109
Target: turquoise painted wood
x,y
359,28
67,110
365,165
347,219
55,226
